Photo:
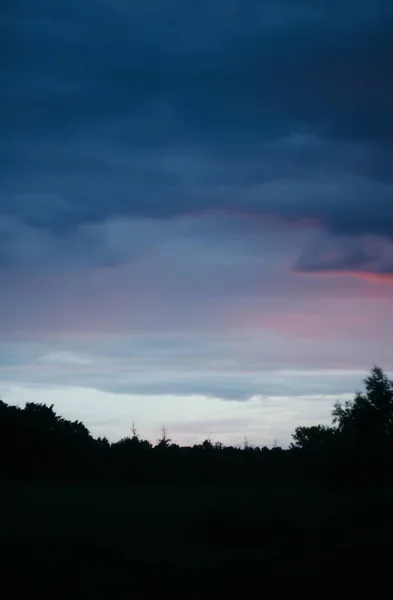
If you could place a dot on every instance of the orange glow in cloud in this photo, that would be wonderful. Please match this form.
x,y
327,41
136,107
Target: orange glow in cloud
x,y
369,276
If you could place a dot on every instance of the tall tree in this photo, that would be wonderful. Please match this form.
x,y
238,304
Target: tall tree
x,y
369,416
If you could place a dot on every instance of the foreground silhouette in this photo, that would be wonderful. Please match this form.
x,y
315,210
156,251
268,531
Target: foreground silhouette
x,y
231,517
37,444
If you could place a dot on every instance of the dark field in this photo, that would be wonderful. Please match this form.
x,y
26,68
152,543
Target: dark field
x,y
118,541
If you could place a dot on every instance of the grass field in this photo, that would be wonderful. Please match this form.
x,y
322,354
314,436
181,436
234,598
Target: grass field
x,y
106,541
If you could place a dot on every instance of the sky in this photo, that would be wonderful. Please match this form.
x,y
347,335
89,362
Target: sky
x,y
196,211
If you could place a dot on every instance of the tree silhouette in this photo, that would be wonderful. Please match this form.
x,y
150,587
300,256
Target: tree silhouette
x,y
37,443
369,414
312,438
135,435
164,441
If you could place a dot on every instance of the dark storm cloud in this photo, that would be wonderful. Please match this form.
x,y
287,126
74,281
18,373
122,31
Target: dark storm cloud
x,y
127,109
369,255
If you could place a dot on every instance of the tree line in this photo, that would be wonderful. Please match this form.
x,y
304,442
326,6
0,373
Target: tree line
x,y
357,448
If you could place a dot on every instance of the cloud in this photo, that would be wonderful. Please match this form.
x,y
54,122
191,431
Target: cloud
x,y
282,354
64,358
125,112
367,257
197,198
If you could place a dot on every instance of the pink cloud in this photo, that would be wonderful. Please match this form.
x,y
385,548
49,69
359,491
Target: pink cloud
x,y
368,276
303,325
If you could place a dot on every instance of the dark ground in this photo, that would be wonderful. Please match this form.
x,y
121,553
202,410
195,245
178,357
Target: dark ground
x,y
191,542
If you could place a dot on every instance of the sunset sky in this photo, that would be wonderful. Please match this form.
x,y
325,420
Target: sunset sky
x,y
196,211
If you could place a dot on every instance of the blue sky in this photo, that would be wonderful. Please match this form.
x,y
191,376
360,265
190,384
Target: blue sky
x,y
196,211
